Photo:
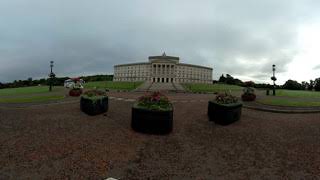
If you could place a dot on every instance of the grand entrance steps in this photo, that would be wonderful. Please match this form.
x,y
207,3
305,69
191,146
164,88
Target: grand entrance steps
x,y
149,86
144,86
178,87
162,87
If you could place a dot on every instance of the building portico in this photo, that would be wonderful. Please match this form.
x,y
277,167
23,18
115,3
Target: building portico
x,y
163,69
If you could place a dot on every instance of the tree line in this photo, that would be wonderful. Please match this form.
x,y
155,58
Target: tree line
x,y
228,79
304,85
289,84
58,81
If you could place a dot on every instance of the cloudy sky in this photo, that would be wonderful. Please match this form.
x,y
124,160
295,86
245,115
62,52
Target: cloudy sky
x,y
243,38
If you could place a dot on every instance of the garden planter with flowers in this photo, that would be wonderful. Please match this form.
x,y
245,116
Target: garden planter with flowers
x,y
152,114
75,92
248,92
94,102
225,109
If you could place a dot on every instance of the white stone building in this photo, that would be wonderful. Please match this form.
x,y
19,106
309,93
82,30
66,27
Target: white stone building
x,y
163,69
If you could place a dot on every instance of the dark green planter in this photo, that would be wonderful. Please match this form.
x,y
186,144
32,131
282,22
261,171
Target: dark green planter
x,y
151,122
224,114
94,106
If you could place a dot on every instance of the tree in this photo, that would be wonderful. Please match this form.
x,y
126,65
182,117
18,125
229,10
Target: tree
x,y
222,78
304,85
230,79
292,85
317,84
311,85
249,84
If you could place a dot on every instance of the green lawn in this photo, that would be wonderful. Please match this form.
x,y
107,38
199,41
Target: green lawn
x,y
212,87
31,99
28,90
112,85
289,102
295,98
31,94
297,93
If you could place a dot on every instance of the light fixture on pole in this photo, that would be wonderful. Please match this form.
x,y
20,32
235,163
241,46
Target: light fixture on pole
x,y
273,78
51,76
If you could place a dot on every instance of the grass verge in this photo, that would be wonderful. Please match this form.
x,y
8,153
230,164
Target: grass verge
x,y
212,87
288,102
112,85
297,93
31,99
28,90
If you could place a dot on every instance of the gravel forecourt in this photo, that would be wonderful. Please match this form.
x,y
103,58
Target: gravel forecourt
x,y
58,141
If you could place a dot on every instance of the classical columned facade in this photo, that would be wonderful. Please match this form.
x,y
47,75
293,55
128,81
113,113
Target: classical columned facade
x,y
163,69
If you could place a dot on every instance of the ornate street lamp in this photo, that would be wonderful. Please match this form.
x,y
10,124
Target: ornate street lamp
x,y
273,78
51,76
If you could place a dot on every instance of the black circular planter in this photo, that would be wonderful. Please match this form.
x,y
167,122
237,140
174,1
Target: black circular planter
x,y
224,114
94,106
151,122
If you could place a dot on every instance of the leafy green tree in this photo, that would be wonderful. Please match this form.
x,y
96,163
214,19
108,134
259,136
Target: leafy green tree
x,y
311,85
317,84
292,85
304,85
222,79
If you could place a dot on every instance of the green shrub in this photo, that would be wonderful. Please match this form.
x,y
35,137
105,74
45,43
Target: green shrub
x,y
94,94
226,98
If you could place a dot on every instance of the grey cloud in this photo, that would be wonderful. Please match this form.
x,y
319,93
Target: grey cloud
x,y
87,37
316,67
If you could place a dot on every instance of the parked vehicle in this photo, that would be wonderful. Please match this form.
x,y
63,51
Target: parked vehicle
x,y
74,82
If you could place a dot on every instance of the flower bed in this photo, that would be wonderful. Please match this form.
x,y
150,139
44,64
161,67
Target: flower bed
x,y
152,114
224,110
248,97
75,92
248,94
94,102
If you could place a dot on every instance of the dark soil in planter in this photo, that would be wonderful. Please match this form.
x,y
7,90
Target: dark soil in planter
x,y
224,114
151,122
248,97
75,92
94,106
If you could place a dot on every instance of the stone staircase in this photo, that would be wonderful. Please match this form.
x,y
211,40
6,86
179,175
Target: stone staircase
x,y
144,87
178,87
149,86
162,87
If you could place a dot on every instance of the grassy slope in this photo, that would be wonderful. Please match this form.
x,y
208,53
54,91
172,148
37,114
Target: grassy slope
x,y
113,85
31,99
212,87
297,93
289,102
30,94
295,98
27,90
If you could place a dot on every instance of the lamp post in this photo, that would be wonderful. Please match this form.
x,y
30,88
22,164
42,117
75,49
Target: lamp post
x,y
134,81
273,78
51,76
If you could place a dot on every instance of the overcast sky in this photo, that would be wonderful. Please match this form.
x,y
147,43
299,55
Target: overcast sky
x,y
243,38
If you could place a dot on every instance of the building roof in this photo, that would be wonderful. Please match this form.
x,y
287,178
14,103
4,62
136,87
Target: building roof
x,y
164,56
192,65
130,64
